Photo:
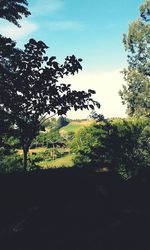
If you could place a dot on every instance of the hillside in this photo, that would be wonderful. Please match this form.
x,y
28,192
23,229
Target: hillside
x,y
74,126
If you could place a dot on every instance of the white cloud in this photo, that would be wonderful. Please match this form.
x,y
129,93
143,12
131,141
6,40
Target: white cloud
x,y
44,7
106,85
12,31
65,25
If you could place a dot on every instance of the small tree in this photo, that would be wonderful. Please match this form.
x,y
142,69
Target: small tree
x,y
61,122
30,89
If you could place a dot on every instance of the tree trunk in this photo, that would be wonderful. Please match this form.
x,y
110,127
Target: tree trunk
x,y
25,153
53,152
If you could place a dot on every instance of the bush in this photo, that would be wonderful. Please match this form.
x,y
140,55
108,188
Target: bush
x,y
129,150
10,163
93,145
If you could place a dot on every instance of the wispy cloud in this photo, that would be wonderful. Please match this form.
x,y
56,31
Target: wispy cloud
x,y
46,7
9,30
65,25
111,26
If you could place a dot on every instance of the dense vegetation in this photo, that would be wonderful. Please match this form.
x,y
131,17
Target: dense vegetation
x,y
120,145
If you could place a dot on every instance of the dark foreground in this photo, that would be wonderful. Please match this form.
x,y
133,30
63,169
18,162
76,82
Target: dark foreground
x,y
74,210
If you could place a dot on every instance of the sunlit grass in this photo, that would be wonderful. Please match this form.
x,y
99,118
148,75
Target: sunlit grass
x,y
65,161
34,150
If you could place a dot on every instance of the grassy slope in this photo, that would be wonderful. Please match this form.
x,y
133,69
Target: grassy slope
x,y
75,126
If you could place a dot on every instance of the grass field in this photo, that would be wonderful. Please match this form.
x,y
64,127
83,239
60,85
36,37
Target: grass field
x,y
66,161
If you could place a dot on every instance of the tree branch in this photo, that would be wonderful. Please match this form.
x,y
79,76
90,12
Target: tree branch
x,y
45,119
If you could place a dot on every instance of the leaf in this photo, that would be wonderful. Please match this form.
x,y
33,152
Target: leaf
x,y
91,91
91,106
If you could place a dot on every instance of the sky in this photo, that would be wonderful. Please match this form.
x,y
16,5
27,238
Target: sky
x,y
89,29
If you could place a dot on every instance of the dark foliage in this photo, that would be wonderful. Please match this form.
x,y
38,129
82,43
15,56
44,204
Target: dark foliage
x,y
13,10
61,122
73,209
97,117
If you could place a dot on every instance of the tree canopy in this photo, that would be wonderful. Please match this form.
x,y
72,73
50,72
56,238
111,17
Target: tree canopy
x,y
13,11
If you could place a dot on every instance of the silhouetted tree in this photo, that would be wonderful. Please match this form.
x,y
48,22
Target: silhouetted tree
x,y
29,81
31,89
97,117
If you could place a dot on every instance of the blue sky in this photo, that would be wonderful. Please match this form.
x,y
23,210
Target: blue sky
x,y
90,29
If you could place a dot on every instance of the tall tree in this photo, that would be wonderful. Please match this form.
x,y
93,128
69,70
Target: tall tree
x,y
136,93
31,89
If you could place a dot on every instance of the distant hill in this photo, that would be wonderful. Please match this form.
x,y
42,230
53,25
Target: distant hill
x,y
74,126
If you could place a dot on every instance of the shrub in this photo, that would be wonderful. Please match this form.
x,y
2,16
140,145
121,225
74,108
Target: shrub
x,y
92,146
